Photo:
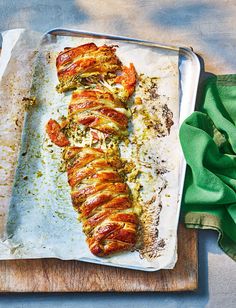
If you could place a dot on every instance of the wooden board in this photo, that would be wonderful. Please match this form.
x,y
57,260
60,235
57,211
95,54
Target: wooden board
x,y
52,275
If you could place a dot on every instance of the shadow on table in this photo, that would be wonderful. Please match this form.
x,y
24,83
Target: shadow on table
x,y
202,80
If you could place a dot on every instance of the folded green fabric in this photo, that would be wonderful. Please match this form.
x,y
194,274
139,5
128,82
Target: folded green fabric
x,y
208,139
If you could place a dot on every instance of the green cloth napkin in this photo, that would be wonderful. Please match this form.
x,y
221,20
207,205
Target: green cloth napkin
x,y
208,139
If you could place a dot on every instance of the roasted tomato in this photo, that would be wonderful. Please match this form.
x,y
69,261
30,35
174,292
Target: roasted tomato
x,y
127,79
55,133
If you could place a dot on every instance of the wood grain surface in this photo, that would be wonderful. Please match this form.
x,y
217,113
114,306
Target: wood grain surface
x,y
52,275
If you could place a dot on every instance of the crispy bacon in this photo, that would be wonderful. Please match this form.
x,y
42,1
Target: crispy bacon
x,y
99,110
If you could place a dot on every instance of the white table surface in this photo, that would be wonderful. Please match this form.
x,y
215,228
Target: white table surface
x,y
210,28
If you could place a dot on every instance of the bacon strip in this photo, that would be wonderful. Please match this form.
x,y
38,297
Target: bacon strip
x,y
99,110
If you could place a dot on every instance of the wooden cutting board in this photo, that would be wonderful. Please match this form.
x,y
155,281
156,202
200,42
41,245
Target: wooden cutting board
x,y
52,275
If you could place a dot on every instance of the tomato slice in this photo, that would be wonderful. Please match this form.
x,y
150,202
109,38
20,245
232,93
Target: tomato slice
x,y
54,132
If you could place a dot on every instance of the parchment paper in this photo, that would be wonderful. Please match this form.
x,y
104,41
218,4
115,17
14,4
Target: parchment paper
x,y
41,221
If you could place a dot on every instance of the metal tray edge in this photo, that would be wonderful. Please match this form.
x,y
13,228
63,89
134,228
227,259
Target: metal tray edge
x,y
75,32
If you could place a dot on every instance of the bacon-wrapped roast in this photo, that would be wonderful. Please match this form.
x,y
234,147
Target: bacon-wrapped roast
x,y
88,63
102,200
88,60
98,193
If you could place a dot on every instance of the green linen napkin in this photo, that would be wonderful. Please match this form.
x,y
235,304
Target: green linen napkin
x,y
208,139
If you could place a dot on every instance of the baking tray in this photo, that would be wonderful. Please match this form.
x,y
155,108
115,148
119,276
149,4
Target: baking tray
x,y
189,69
